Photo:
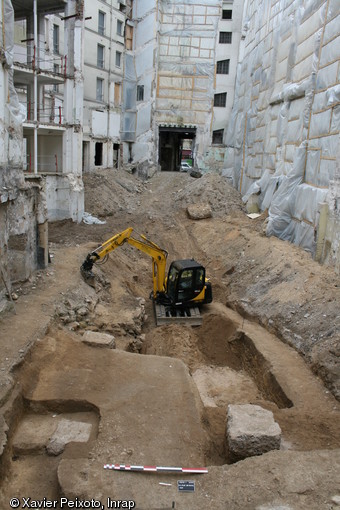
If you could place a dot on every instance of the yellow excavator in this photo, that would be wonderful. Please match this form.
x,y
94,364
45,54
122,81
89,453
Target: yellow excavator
x,y
176,296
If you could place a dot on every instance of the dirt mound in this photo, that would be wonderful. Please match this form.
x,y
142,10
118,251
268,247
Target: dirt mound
x,y
109,191
213,189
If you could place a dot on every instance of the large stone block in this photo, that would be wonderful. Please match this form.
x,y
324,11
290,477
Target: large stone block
x,y
251,430
96,339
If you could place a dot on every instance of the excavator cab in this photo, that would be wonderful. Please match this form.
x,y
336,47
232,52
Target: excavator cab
x,y
186,283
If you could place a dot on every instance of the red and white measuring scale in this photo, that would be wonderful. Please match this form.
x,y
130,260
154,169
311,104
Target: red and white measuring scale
x,y
160,469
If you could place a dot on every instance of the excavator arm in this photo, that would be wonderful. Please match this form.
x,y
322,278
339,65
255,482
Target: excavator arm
x,y
157,254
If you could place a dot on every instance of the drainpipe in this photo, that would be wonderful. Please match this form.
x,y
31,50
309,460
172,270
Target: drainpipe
x,y
35,87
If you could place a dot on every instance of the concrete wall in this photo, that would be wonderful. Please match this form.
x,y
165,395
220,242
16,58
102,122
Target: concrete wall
x,y
22,203
284,136
65,197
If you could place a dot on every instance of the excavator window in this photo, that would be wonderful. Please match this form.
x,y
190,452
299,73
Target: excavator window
x,y
172,282
185,285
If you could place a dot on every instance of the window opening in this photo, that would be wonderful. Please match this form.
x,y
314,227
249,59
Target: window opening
x,y
56,39
98,157
223,66
140,92
99,89
101,22
217,138
220,99
118,58
100,56
227,14
119,27
56,71
225,37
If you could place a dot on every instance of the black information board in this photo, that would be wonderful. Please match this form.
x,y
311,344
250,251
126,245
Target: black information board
x,y
185,486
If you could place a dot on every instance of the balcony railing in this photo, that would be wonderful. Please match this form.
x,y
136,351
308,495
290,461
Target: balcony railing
x,y
42,60
47,114
45,164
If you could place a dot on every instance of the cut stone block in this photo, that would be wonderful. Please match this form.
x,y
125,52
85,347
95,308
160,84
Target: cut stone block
x,y
33,433
251,430
96,339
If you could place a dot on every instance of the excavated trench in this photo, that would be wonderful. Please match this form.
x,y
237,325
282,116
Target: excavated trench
x,y
226,365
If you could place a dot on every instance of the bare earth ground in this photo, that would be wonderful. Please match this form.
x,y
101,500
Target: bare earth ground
x,y
161,397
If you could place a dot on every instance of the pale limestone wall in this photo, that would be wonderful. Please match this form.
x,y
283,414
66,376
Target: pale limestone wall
x,y
283,137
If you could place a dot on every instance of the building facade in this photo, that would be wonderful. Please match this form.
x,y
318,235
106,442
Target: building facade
x,y
48,81
179,81
104,39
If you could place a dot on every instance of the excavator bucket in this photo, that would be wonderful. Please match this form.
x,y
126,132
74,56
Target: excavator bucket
x,y
89,277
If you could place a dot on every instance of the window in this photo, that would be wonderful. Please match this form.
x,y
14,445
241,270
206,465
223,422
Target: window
x,y
217,138
101,23
223,66
119,27
99,89
227,14
140,92
122,7
56,39
56,70
100,56
220,99
118,58
225,37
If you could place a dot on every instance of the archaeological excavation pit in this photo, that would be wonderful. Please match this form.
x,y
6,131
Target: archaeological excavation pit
x,y
156,396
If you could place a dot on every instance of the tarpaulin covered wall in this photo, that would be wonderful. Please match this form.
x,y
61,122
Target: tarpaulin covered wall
x,y
186,66
283,136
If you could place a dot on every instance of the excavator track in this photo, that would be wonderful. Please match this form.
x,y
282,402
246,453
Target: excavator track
x,y
166,315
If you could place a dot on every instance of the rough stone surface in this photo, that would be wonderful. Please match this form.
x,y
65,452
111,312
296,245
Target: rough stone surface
x,y
55,447
199,211
96,339
66,432
33,433
251,430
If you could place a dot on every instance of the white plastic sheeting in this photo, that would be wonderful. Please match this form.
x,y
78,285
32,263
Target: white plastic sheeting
x,y
174,61
283,134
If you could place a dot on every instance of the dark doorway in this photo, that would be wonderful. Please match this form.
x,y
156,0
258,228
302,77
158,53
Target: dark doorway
x,y
116,148
98,155
86,159
171,141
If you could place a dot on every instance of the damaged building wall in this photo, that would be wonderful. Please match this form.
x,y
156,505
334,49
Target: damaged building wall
x,y
140,73
23,219
171,80
283,137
